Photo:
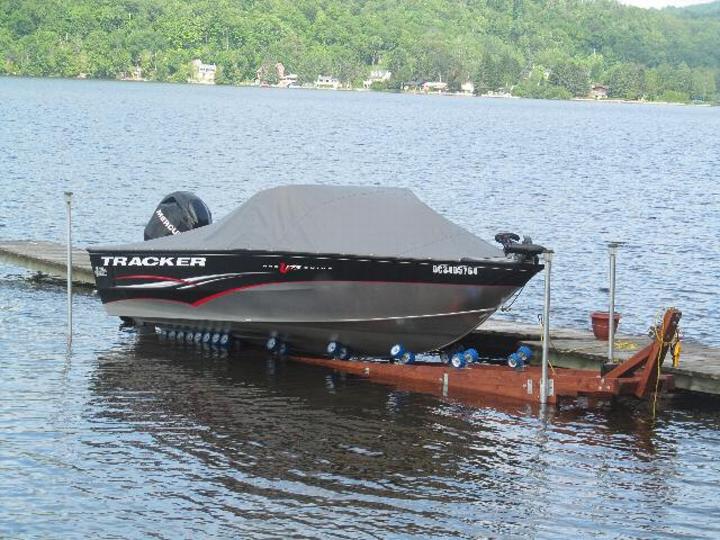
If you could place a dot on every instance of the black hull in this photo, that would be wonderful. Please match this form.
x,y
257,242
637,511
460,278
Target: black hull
x,y
366,303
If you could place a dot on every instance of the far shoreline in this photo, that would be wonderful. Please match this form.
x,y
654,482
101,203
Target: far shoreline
x,y
370,90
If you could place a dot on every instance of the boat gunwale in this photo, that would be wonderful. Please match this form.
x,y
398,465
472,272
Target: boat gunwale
x,y
487,261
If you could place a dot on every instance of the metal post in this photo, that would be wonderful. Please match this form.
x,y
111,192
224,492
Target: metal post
x,y
612,248
68,202
547,260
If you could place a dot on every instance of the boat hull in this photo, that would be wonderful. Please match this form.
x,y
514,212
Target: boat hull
x,y
367,304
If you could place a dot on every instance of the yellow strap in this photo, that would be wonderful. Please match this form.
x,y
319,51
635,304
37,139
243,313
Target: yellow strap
x,y
677,349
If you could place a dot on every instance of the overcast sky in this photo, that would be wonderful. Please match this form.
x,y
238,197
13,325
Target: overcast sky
x,y
662,3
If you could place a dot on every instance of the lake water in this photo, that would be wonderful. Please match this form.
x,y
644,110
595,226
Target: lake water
x,y
127,437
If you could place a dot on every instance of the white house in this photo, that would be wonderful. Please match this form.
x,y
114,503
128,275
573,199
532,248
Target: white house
x,y
467,88
377,75
202,73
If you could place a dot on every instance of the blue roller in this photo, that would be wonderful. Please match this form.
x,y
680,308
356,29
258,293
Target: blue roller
x,y
333,348
471,355
215,339
224,340
407,358
180,335
520,357
171,334
343,353
397,350
515,361
189,336
457,360
445,357
282,349
525,352
206,337
272,344
197,338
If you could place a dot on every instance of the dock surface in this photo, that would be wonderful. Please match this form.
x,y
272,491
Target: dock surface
x,y
699,369
49,258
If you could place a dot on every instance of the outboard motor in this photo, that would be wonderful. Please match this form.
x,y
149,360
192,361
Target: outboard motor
x,y
525,251
178,212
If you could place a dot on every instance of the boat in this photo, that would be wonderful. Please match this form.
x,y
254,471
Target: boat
x,y
313,268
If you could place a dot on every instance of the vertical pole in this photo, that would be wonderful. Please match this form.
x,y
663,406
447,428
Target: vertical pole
x,y
547,260
68,203
612,248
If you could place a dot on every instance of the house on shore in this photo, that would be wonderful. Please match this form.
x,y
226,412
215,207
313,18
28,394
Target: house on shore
x,y
377,76
285,80
326,82
467,88
598,91
434,87
202,73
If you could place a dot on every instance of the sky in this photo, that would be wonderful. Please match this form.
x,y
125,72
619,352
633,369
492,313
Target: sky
x,y
662,3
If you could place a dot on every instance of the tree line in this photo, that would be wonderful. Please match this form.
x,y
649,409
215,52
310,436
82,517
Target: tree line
x,y
533,48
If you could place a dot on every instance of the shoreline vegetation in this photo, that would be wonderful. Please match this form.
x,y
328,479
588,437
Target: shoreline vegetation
x,y
593,50
251,84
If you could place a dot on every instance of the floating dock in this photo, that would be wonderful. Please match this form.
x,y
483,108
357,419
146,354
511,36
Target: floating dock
x,y
699,369
48,258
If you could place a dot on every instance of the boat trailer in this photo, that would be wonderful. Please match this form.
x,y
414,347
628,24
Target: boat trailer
x,y
639,376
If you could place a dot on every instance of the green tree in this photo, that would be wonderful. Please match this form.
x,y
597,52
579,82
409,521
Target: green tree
x,y
531,47
572,76
625,81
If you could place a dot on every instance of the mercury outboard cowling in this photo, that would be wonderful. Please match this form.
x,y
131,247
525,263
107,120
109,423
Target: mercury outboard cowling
x,y
178,212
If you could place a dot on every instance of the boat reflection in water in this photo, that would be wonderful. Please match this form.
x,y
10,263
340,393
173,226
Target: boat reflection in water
x,y
284,445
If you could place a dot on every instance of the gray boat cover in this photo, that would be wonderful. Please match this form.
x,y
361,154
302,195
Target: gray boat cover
x,y
351,220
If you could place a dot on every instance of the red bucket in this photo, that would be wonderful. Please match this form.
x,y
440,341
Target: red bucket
x,y
600,325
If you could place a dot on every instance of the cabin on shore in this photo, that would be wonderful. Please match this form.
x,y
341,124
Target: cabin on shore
x,y
598,91
467,88
438,87
285,80
377,76
201,73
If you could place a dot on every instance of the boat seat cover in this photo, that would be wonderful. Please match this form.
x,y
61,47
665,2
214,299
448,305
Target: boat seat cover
x,y
351,220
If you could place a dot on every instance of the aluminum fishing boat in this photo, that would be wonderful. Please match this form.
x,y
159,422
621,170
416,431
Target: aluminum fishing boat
x,y
308,265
